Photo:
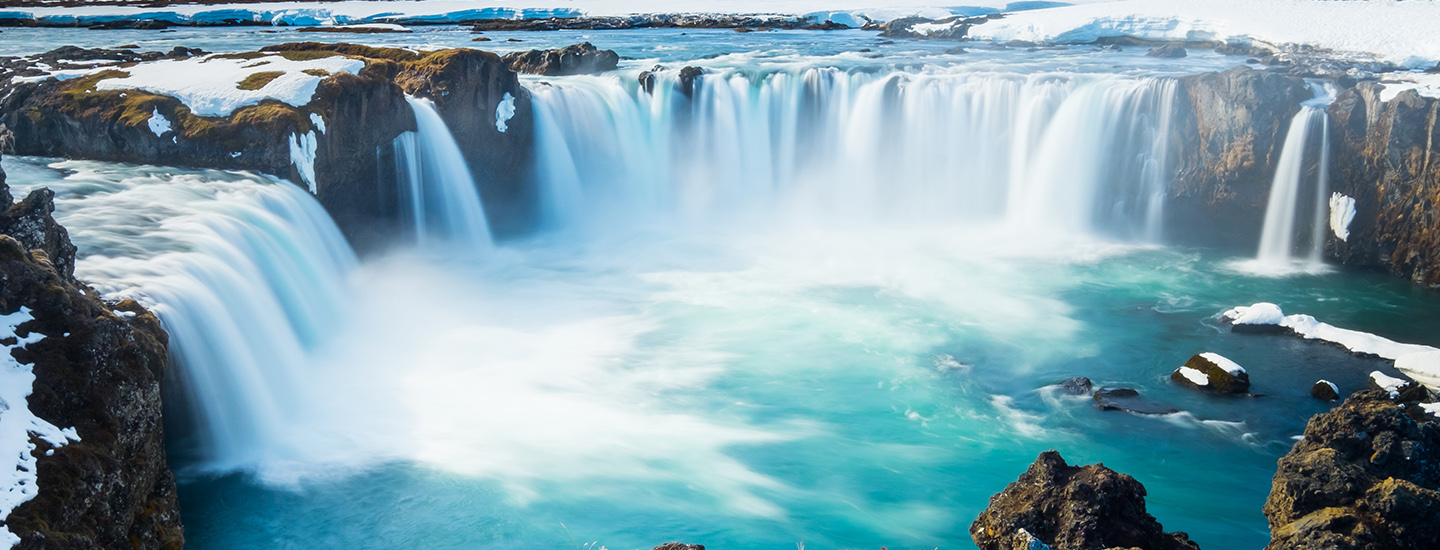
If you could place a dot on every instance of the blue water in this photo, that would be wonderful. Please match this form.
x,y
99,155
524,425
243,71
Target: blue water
x,y
828,383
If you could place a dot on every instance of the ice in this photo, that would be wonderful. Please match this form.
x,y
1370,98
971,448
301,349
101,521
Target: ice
x,y
208,85
158,123
302,155
1342,212
318,121
504,112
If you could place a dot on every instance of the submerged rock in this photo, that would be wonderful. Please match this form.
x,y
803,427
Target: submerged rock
x,y
1213,372
1168,51
679,546
1365,476
1078,385
1128,400
1325,390
583,58
1072,508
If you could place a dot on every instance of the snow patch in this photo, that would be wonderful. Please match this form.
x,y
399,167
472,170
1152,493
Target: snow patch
x,y
1195,376
1263,313
1421,363
318,122
18,483
207,85
1342,212
924,29
1424,84
302,155
504,112
1432,408
158,123
1388,383
1423,367
1223,362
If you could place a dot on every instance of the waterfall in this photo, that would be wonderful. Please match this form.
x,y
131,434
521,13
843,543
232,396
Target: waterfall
x,y
1050,152
436,183
1282,211
248,275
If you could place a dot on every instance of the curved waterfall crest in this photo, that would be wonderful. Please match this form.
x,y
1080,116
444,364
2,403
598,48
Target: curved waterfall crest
x,y
1048,152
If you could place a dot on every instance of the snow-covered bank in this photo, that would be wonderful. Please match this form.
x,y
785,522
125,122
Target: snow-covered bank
x,y
1401,32
1421,363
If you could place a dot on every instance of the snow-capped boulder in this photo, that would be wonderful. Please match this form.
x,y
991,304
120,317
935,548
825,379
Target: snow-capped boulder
x,y
1263,317
1212,372
1325,390
1398,389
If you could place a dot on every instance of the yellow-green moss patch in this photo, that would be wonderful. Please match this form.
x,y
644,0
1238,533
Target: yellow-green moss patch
x,y
255,81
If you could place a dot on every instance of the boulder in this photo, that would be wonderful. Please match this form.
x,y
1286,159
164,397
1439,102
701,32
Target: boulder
x,y
1126,399
1325,390
1171,51
1364,476
583,58
679,546
1405,391
1072,508
688,76
1078,385
1212,372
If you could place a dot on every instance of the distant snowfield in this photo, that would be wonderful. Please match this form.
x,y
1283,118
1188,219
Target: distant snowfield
x,y
1400,31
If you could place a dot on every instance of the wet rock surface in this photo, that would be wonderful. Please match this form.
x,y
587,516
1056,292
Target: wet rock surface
x,y
583,58
1110,398
1078,385
1169,51
1072,508
98,369
1365,476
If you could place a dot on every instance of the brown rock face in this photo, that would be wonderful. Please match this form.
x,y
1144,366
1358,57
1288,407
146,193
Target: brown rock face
x,y
1387,157
1072,508
98,371
1364,477
1229,130
583,58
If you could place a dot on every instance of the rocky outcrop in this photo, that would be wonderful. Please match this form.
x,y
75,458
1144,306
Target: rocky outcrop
x,y
1365,476
679,546
658,21
583,58
1067,507
1387,158
1212,372
1228,133
361,114
949,28
1171,51
98,369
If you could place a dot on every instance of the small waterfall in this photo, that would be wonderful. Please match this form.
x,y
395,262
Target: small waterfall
x,y
1282,211
1048,152
248,275
436,183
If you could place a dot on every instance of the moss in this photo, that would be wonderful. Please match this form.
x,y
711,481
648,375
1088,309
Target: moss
x,y
322,73
351,50
258,80
243,55
255,64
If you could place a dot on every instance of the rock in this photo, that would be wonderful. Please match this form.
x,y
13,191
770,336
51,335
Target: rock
x,y
688,76
922,28
1128,400
1072,508
1365,476
1386,156
1212,372
1404,391
583,58
1325,390
99,373
1078,385
657,21
1229,129
955,50
1168,51
679,546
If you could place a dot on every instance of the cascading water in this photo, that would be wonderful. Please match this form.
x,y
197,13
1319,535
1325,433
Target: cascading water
x,y
1277,239
443,204
1047,152
248,275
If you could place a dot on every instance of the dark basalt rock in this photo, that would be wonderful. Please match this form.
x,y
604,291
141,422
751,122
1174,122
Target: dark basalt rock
x,y
583,58
1126,399
1324,391
1386,156
1229,129
1406,391
656,21
1365,476
1170,51
1072,508
679,546
1078,385
1218,379
688,76
98,371
949,28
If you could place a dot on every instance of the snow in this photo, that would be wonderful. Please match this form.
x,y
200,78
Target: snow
x,y
18,484
1263,313
1195,376
1398,31
207,85
504,112
1388,383
924,29
1432,408
1342,212
1423,367
318,121
1223,362
302,155
62,75
158,123
1422,363
1424,84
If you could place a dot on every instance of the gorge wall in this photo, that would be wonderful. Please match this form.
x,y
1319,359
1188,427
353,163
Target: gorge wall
x,y
97,369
